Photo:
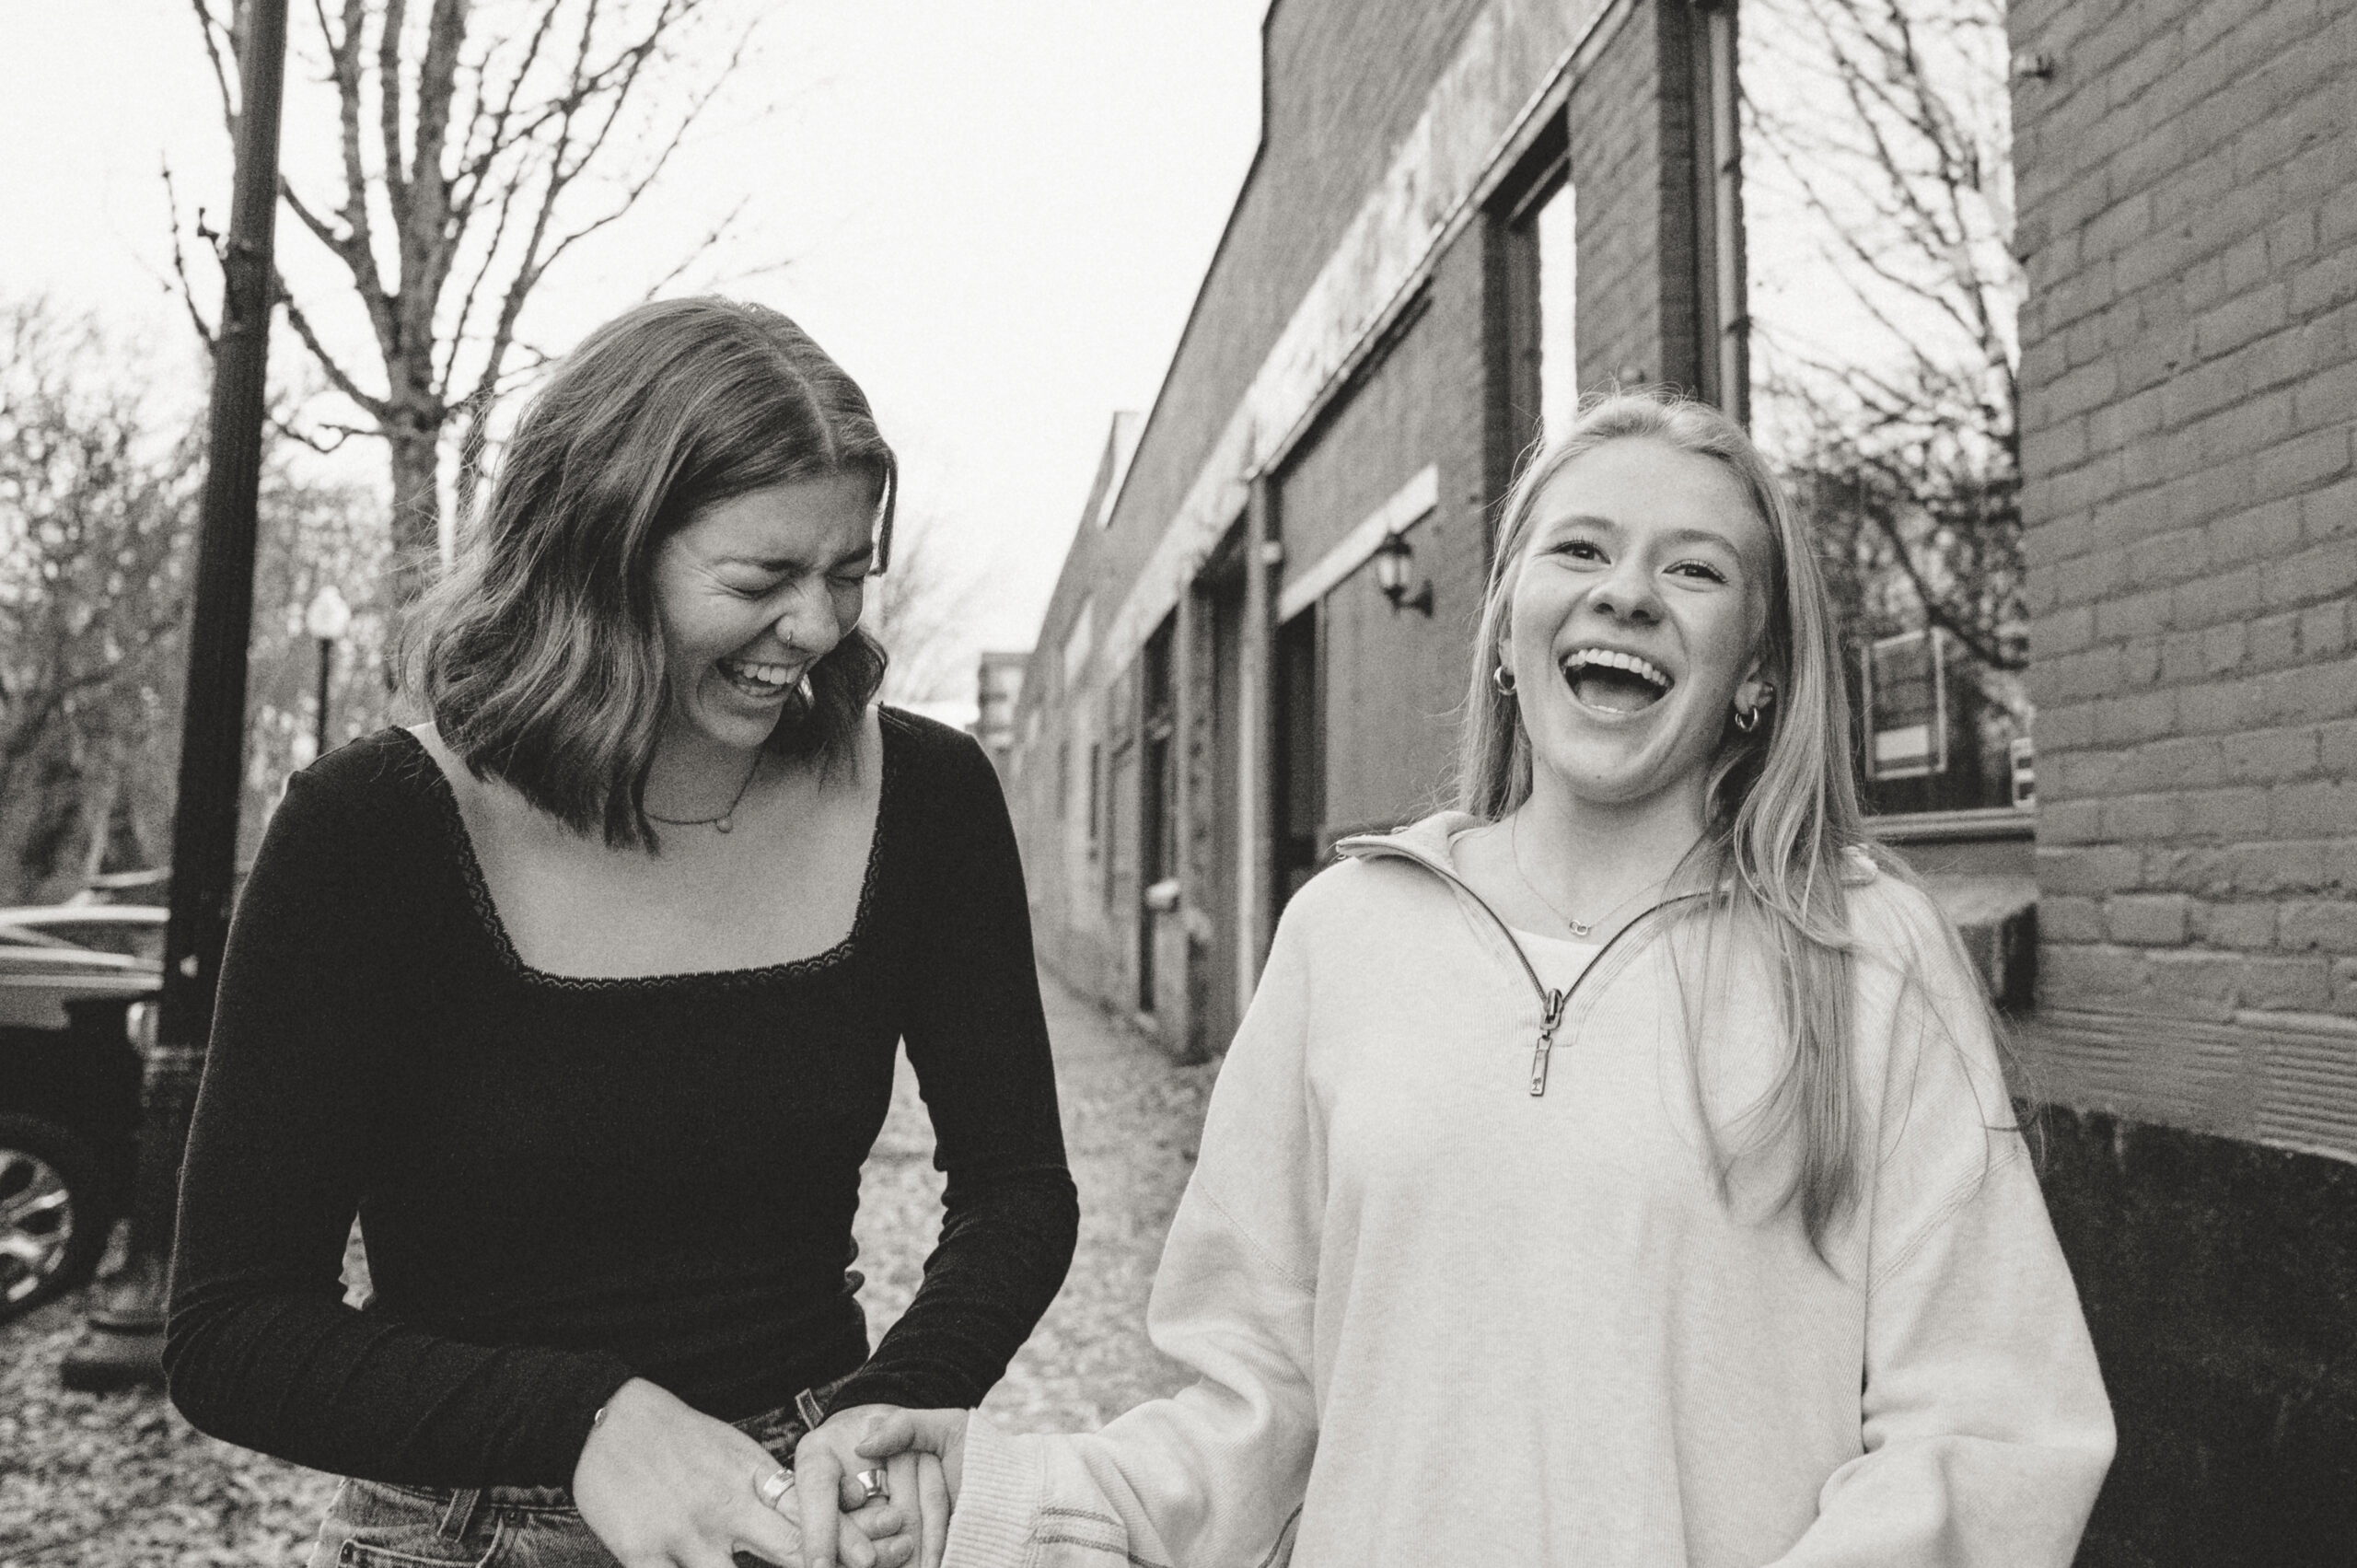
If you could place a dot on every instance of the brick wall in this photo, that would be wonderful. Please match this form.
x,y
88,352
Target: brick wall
x,y
2188,214
1345,81
1395,679
1630,133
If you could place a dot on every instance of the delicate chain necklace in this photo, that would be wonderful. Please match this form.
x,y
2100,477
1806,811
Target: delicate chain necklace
x,y
1580,928
726,821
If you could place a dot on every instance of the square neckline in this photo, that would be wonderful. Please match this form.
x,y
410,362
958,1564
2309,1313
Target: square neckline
x,y
489,921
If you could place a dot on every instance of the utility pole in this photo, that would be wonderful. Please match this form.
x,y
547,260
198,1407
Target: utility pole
x,y
125,1344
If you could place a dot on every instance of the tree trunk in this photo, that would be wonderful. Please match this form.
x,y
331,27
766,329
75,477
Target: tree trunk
x,y
417,513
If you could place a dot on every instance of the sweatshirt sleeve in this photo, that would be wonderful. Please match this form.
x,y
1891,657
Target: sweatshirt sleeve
x,y
1985,1425
1216,1472
260,1348
978,1040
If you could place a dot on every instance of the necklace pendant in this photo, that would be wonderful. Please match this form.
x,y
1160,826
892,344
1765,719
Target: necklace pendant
x,y
1579,929
725,824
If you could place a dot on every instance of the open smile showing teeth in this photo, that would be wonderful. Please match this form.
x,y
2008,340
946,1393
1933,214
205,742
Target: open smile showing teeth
x,y
757,680
1613,681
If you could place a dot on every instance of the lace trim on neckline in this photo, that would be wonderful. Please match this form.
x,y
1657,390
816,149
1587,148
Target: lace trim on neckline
x,y
478,888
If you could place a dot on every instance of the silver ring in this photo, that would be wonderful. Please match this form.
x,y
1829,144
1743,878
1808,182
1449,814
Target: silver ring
x,y
773,1486
873,1485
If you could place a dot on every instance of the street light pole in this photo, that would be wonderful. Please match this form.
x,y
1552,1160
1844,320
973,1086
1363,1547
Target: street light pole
x,y
125,1344
328,619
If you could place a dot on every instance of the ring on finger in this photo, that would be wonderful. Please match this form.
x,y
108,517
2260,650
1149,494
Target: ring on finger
x,y
873,1484
774,1486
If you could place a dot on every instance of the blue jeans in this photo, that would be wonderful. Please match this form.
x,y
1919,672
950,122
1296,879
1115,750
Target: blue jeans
x,y
373,1524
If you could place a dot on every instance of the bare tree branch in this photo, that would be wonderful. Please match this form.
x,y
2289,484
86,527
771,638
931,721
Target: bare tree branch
x,y
389,104
213,33
470,166
327,362
184,287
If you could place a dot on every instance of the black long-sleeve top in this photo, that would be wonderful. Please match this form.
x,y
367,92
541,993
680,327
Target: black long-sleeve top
x,y
566,1183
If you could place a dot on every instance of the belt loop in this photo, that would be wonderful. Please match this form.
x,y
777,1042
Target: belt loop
x,y
460,1513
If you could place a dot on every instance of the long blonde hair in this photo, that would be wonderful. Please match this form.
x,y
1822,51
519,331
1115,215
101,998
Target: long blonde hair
x,y
1782,805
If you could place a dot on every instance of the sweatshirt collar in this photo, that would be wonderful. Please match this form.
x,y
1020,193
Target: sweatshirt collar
x,y
1426,842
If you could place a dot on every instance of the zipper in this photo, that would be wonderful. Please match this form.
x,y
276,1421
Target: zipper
x,y
1552,1016
1553,1003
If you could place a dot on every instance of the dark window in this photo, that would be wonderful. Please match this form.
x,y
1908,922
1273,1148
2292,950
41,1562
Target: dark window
x,y
1158,792
1301,752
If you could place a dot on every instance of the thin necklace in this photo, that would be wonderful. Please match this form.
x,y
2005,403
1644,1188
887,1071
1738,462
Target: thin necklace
x,y
726,821
1580,928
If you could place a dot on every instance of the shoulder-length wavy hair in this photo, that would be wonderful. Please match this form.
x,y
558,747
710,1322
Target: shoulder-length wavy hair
x,y
1781,804
540,654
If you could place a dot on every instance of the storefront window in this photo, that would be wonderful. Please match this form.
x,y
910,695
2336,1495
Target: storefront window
x,y
1882,292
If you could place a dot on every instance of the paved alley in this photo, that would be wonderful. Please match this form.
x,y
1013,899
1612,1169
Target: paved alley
x,y
1130,1121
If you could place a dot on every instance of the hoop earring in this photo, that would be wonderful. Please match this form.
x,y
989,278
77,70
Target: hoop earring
x,y
1502,678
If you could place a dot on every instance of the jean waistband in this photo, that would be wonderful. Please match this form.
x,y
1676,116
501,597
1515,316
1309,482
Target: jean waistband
x,y
776,1430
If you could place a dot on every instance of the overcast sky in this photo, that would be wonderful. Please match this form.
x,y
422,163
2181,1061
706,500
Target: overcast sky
x,y
994,215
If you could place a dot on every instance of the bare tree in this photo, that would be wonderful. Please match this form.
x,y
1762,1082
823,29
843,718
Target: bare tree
x,y
1885,130
94,502
923,610
479,143
98,499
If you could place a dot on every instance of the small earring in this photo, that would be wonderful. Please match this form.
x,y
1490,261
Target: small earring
x,y
1747,720
1502,678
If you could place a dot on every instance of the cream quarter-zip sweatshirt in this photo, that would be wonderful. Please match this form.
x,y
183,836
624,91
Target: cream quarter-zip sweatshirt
x,y
1435,1317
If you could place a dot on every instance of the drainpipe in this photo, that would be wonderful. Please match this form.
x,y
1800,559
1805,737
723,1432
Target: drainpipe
x,y
1718,156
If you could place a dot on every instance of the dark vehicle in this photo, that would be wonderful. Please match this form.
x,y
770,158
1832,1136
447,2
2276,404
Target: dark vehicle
x,y
77,983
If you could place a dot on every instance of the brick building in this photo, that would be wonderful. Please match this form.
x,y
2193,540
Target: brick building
x,y
998,685
2187,216
1464,212
1219,689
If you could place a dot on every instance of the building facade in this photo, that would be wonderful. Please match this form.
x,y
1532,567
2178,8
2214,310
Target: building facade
x,y
1462,213
998,685
2187,200
1220,689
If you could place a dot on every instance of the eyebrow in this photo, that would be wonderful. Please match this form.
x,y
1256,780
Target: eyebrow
x,y
865,554
1675,536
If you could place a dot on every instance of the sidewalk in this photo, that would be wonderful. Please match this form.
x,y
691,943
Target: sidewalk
x,y
1131,1123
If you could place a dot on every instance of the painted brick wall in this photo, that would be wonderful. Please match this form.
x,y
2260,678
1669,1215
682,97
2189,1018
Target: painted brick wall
x,y
1395,681
1345,81
2188,214
1629,114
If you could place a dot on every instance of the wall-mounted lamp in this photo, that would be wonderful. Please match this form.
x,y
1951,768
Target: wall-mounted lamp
x,y
1395,562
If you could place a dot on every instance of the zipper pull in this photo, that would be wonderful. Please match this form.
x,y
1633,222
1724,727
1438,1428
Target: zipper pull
x,y
1554,1016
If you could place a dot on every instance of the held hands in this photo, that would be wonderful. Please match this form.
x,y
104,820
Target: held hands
x,y
664,1485
922,1452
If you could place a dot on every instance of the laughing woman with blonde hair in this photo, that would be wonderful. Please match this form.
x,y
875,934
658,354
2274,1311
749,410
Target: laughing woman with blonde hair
x,y
1616,1171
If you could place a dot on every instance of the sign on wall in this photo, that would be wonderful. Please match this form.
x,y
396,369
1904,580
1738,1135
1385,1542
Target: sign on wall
x,y
1907,705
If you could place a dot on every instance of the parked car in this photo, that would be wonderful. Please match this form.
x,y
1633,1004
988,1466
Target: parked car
x,y
77,984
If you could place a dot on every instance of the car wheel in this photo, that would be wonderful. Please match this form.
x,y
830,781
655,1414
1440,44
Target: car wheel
x,y
51,1229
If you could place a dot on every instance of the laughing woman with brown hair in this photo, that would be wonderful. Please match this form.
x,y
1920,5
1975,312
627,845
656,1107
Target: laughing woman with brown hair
x,y
585,997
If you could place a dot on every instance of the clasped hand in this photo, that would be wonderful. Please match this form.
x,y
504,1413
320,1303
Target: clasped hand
x,y
922,1452
663,1485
